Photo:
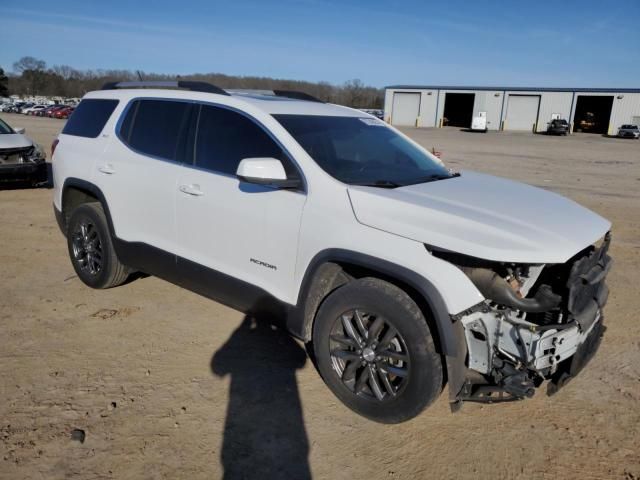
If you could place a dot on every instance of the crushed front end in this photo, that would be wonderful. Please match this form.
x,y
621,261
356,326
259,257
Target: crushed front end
x,y
539,323
23,164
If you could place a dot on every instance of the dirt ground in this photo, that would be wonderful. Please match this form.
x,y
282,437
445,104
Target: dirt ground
x,y
161,383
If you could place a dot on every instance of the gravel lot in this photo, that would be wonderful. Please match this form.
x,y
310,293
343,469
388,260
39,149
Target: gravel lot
x,y
161,383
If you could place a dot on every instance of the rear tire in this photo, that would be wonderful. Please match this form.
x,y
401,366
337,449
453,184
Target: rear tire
x,y
375,352
91,249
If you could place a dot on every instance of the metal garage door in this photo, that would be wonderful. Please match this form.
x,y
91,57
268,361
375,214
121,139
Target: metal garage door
x,y
406,108
522,112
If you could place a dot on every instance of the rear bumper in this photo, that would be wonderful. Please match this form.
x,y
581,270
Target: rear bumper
x,y
32,172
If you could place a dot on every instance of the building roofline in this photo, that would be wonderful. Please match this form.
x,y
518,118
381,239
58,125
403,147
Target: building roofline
x,y
513,89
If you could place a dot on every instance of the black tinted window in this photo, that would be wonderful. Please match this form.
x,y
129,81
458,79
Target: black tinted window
x,y
226,137
89,118
158,128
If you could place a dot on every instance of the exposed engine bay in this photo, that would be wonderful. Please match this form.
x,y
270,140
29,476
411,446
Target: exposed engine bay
x,y
23,164
539,323
12,156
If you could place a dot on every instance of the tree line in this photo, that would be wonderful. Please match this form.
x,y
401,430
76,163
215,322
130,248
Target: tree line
x,y
31,76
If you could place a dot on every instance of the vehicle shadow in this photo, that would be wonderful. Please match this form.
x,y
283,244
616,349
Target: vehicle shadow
x,y
264,434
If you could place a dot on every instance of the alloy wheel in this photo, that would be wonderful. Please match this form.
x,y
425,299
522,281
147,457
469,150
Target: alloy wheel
x,y
87,248
369,355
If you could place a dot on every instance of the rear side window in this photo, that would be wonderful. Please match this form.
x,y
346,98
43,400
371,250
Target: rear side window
x,y
226,137
159,128
90,117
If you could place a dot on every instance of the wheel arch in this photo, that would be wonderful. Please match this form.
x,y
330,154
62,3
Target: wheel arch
x,y
76,191
329,269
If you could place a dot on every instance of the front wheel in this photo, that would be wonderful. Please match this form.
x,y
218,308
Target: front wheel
x,y
375,352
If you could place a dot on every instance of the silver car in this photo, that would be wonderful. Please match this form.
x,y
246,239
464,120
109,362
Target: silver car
x,y
631,131
21,159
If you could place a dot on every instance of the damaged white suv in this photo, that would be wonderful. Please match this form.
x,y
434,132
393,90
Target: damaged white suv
x,y
401,274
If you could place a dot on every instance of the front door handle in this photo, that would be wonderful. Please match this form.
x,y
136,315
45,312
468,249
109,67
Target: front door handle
x,y
107,169
192,189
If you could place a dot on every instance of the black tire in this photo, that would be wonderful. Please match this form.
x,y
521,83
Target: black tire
x,y
92,255
419,379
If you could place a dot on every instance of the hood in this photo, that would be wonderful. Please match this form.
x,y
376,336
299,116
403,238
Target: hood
x,y
14,140
482,216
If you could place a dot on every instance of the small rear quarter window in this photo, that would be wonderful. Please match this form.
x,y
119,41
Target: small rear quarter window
x,y
90,117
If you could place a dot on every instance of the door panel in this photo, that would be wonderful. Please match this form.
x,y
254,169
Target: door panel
x,y
247,231
139,171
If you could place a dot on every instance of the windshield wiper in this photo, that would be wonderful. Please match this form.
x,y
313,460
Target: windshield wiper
x,y
432,178
378,183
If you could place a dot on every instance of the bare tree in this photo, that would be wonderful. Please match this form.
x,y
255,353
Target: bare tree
x,y
29,63
64,80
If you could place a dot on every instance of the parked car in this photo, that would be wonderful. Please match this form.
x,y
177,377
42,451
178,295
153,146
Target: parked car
x,y
48,112
21,106
33,110
63,112
558,126
21,160
355,238
10,108
45,111
629,131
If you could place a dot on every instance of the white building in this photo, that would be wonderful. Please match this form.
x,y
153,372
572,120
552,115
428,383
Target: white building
x,y
596,110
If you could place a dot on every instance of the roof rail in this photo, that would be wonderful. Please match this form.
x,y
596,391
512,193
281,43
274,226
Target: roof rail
x,y
186,84
297,95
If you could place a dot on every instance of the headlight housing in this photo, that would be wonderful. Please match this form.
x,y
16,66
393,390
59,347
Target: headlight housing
x,y
36,154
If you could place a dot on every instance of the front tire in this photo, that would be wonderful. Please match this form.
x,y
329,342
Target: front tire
x,y
91,250
375,352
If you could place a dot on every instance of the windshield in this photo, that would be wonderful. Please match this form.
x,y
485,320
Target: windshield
x,y
4,128
362,151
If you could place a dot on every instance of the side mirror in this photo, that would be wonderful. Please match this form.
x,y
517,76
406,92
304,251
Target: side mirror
x,y
265,171
20,130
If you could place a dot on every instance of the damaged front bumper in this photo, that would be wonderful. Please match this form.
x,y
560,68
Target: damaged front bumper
x,y
510,353
25,164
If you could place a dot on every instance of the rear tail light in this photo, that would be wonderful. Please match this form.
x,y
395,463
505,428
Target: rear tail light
x,y
54,144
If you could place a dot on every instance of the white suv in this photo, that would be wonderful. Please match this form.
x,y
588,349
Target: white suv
x,y
402,274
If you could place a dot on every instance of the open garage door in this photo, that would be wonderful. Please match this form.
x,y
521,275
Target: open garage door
x,y
522,112
458,109
593,113
406,108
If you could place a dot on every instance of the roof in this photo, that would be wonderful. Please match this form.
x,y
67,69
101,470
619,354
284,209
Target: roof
x,y
267,103
514,89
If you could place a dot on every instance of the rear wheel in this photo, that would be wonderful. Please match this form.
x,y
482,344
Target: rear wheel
x,y
375,352
91,249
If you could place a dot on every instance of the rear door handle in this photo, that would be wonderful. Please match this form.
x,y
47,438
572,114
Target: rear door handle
x,y
192,189
107,168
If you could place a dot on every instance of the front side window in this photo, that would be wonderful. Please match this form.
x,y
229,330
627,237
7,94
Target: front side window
x,y
226,137
4,128
362,151
158,128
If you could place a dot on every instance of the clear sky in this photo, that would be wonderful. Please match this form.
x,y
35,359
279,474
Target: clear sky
x,y
501,43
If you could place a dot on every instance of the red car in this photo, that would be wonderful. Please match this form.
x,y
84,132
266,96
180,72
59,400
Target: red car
x,y
64,112
49,111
